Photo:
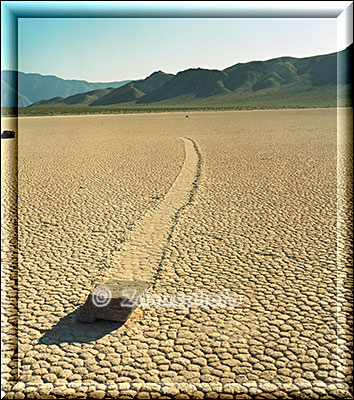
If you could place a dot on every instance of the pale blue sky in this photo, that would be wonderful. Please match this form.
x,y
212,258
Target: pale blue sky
x,y
132,48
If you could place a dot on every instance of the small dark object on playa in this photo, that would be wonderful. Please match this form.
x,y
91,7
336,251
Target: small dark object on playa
x,y
8,135
187,116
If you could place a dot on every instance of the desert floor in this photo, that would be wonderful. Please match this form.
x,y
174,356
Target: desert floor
x,y
247,207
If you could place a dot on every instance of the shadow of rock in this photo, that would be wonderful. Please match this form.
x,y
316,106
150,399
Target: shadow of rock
x,y
69,330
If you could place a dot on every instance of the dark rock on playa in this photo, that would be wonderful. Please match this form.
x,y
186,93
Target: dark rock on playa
x,y
8,134
112,301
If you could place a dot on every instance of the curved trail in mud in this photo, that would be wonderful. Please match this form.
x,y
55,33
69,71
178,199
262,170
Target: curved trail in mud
x,y
140,258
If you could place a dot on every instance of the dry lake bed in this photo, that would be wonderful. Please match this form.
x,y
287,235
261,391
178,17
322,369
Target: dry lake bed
x,y
247,208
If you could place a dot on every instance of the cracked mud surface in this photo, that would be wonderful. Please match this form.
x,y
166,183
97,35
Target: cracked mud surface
x,y
263,224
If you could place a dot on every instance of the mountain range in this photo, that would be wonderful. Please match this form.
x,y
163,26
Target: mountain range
x,y
279,82
36,87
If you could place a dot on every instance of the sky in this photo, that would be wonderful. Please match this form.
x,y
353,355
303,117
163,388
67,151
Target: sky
x,y
116,49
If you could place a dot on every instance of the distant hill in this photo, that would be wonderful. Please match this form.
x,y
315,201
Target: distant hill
x,y
36,87
293,81
197,82
131,91
134,90
279,82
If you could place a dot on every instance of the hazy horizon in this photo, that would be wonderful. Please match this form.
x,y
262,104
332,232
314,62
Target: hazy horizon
x,y
118,49
167,72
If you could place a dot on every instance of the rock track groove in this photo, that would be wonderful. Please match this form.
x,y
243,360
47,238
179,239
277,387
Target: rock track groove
x,y
141,256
